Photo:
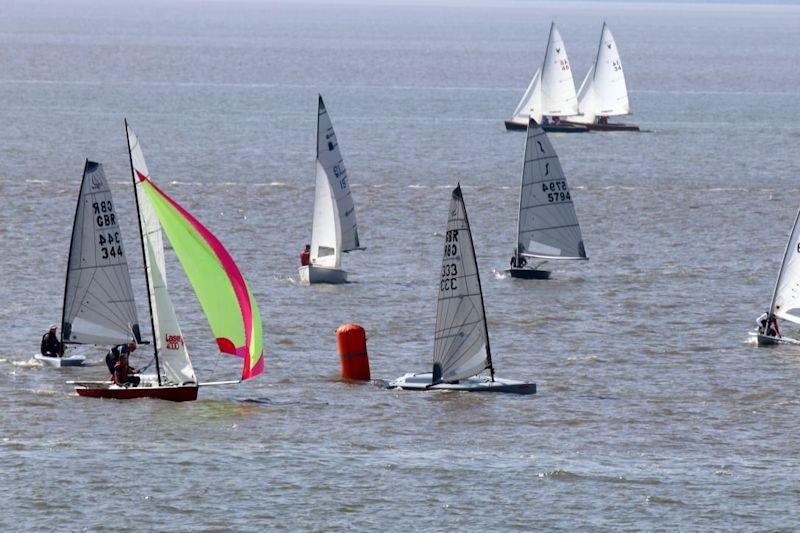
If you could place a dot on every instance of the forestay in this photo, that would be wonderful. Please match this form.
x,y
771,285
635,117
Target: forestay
x,y
461,342
173,357
99,307
227,302
334,227
603,91
786,298
558,96
548,226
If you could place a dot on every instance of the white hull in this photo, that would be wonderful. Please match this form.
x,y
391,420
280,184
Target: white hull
x,y
766,340
58,362
421,382
316,274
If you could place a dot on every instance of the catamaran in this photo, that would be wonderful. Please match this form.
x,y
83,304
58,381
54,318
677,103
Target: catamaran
x,y
551,93
547,226
98,307
603,92
785,302
227,302
461,351
334,229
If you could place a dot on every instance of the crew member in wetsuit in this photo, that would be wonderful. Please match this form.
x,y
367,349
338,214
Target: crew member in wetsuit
x,y
772,330
517,261
114,354
124,373
51,346
305,256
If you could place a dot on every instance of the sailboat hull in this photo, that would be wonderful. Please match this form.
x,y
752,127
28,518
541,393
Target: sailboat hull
x,y
528,273
315,274
610,126
421,382
59,362
173,393
766,340
561,127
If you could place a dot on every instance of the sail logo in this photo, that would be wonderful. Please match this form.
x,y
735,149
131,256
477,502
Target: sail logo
x,y
97,183
174,342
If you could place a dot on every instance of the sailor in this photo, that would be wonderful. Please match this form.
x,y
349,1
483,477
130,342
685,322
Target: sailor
x,y
773,330
517,261
51,346
305,256
124,373
114,354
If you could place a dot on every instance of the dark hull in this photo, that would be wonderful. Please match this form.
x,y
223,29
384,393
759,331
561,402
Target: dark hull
x,y
173,394
528,273
557,128
606,127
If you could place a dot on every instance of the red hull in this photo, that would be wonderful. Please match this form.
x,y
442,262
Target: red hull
x,y
605,127
173,394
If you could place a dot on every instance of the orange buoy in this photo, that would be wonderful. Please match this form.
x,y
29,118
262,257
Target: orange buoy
x,y
352,341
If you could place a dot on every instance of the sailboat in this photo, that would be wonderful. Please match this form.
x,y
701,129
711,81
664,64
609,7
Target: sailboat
x,y
547,226
226,300
334,229
603,92
785,302
98,307
551,93
461,351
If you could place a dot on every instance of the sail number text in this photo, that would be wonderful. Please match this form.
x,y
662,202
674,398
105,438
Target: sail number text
x,y
449,270
341,174
104,213
556,191
110,245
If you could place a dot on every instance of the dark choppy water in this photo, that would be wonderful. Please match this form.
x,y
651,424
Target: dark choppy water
x,y
653,410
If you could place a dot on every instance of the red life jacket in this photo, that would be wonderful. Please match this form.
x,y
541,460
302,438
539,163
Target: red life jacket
x,y
121,371
305,257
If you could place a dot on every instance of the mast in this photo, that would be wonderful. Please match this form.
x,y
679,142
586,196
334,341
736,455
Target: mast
x,y
69,259
144,258
480,289
780,272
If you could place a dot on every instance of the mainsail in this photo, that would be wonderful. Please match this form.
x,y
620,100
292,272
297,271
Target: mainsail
x,y
227,302
98,299
461,342
786,297
548,226
603,91
334,228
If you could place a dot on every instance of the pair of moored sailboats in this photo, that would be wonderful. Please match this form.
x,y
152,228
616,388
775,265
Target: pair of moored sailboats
x,y
99,306
551,100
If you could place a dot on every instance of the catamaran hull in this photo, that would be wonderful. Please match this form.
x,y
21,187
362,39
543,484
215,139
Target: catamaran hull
x,y
109,390
766,340
315,274
558,128
611,126
58,362
528,273
421,382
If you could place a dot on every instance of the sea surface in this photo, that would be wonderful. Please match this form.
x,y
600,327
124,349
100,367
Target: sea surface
x,y
653,411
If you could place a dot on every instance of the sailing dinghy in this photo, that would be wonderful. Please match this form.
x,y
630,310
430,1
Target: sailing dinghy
x,y
603,92
226,300
786,295
551,93
334,229
461,349
547,226
98,307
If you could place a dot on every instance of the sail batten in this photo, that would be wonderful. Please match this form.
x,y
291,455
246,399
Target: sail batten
x,y
99,307
548,226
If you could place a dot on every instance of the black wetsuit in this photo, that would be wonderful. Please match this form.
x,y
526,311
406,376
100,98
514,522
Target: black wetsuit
x,y
51,346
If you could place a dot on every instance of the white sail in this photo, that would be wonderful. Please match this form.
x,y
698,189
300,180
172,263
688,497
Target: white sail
x,y
334,227
99,307
558,88
786,299
173,357
461,342
548,225
531,103
603,92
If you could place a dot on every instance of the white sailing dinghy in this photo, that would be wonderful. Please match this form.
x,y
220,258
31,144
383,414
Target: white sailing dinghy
x,y
548,227
461,349
98,307
334,229
224,296
603,92
785,302
551,93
